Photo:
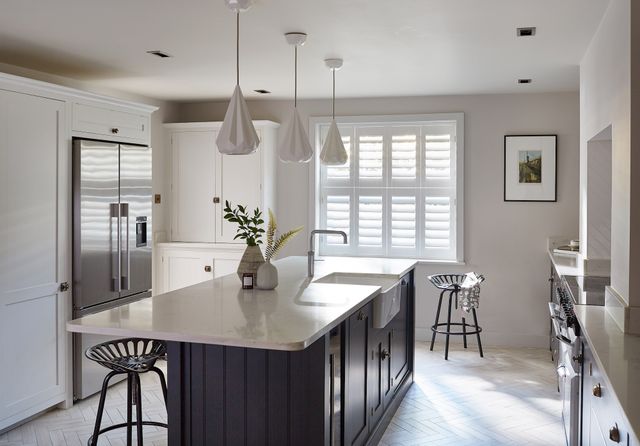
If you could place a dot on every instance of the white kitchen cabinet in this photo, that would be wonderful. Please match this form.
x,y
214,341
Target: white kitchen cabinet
x,y
184,264
202,180
104,121
34,254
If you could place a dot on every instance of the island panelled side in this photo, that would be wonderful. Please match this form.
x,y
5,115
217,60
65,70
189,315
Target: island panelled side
x,y
250,396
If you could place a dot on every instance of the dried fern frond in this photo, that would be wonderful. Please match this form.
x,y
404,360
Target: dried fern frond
x,y
271,230
281,241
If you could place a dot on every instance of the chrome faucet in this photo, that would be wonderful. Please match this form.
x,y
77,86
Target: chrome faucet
x,y
311,256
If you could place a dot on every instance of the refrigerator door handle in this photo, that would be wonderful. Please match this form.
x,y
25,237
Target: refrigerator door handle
x,y
126,255
116,267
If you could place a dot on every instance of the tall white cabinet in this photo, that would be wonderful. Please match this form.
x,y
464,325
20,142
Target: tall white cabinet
x,y
37,123
33,262
202,244
202,180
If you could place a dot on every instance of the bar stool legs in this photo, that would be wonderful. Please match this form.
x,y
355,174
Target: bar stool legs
x,y
475,328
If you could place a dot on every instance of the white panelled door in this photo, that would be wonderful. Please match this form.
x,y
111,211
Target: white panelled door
x,y
239,180
192,186
33,262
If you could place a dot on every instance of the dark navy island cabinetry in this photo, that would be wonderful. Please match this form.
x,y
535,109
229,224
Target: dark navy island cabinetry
x,y
250,396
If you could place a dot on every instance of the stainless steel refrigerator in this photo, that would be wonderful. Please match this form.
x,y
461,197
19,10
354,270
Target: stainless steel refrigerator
x,y
111,239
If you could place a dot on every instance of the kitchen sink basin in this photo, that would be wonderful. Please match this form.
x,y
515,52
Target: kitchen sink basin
x,y
385,305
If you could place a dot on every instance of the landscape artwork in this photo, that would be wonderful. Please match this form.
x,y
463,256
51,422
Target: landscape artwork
x,y
530,166
527,160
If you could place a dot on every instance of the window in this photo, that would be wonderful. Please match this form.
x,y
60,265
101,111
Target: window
x,y
400,192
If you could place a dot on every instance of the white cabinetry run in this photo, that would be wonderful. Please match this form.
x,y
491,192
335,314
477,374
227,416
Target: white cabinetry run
x,y
179,265
202,180
37,123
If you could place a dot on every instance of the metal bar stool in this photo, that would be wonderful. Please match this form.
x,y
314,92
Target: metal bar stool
x,y
132,356
451,283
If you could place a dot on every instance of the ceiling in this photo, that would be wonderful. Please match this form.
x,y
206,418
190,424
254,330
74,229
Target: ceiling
x,y
389,47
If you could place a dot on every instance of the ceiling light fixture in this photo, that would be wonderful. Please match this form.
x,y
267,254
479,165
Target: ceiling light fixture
x,y
295,146
237,134
528,31
333,152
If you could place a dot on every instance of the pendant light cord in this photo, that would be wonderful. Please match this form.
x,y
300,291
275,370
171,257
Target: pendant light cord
x,y
238,47
333,106
295,77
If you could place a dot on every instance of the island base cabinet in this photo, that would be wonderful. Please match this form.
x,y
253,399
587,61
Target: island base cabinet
x,y
242,396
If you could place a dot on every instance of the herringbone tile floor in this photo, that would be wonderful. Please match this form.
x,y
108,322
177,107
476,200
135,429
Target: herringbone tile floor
x,y
508,398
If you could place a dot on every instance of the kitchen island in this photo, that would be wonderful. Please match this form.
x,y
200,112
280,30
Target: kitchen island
x,y
309,363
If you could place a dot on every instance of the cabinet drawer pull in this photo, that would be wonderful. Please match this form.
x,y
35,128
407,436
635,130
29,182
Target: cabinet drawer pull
x,y
216,200
384,354
115,130
361,315
597,391
614,434
207,268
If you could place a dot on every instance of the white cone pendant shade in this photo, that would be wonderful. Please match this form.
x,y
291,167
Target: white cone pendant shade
x,y
237,135
294,146
333,152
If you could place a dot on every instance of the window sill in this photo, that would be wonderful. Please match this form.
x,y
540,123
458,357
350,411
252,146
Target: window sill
x,y
418,261
441,262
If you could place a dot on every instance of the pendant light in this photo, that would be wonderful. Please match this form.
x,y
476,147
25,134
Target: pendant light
x,y
294,146
237,135
333,152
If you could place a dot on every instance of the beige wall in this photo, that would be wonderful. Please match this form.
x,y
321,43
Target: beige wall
x,y
505,241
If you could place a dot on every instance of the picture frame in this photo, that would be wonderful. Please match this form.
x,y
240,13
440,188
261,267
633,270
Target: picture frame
x,y
530,168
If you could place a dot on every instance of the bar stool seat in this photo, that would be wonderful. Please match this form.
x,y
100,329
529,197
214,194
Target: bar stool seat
x,y
132,356
452,283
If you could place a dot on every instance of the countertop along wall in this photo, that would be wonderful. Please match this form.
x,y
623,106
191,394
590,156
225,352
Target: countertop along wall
x,y
505,241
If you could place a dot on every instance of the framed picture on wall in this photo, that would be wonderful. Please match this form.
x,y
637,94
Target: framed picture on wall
x,y
530,167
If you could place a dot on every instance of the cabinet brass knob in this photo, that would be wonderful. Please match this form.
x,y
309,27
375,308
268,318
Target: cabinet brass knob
x,y
115,130
384,354
597,391
216,200
361,316
207,268
614,434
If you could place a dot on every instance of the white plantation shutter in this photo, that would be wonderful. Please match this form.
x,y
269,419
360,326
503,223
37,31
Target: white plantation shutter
x,y
398,194
404,156
338,216
371,155
403,223
370,221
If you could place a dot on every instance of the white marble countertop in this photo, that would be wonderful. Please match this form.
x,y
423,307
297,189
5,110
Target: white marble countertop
x,y
220,312
617,355
566,264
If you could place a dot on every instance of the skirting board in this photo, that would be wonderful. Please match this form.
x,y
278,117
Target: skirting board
x,y
489,339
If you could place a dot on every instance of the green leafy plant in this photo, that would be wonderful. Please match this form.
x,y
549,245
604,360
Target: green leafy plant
x,y
276,244
249,226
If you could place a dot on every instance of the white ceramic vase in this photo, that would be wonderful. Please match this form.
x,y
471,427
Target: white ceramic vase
x,y
267,276
250,261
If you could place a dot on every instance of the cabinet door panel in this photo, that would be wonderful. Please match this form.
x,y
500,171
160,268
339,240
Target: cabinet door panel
x,y
193,186
239,181
32,341
356,408
185,270
399,339
225,266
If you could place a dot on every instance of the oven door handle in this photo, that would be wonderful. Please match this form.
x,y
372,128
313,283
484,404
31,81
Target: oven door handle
x,y
558,333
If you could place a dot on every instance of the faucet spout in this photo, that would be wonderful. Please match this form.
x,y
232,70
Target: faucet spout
x,y
311,254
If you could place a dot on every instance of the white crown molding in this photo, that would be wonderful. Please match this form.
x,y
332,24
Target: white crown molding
x,y
68,93
213,125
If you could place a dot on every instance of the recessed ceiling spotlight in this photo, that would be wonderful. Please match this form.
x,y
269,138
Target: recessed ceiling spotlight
x,y
262,91
528,31
160,54
524,81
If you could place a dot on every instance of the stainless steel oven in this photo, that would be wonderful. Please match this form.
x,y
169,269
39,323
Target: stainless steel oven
x,y
568,363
